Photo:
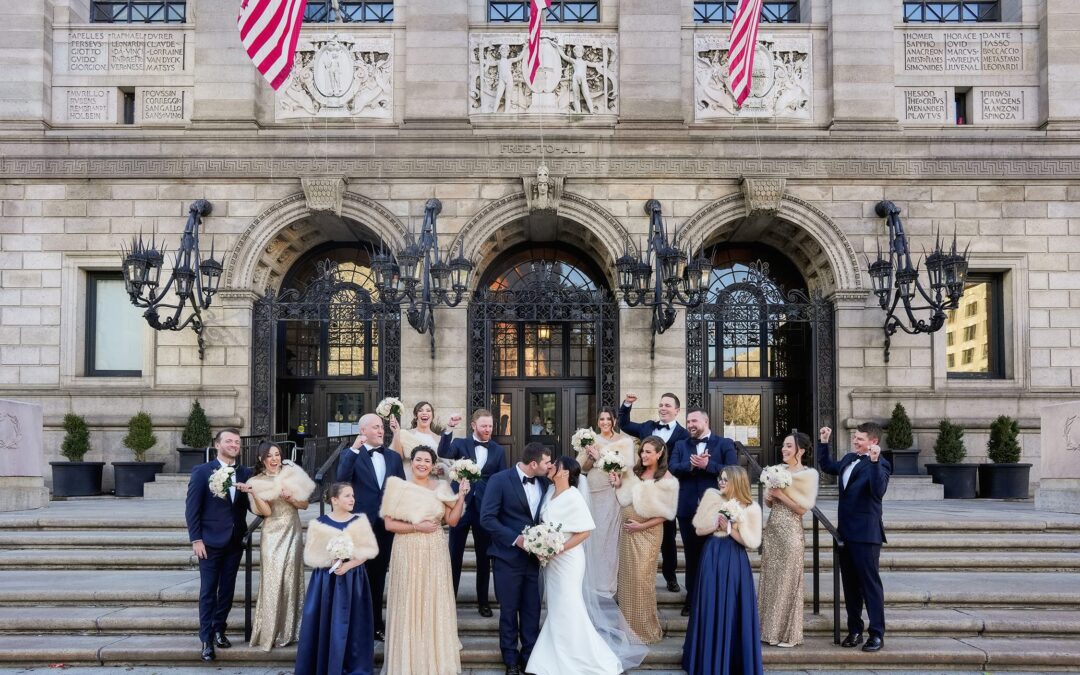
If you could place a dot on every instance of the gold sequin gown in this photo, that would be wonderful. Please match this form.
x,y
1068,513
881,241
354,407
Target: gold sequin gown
x,y
780,592
602,554
281,585
636,595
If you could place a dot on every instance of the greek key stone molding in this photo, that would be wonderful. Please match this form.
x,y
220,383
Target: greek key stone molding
x,y
324,193
783,84
763,193
343,76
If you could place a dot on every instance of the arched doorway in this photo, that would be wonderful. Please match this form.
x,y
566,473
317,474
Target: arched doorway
x,y
760,350
543,336
323,352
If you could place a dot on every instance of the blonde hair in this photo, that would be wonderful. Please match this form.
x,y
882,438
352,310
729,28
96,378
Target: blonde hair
x,y
738,484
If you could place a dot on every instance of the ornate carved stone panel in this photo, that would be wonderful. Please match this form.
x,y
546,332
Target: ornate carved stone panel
x,y
339,76
783,84
578,74
324,193
763,193
543,191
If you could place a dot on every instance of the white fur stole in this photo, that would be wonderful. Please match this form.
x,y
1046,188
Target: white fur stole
x,y
320,535
749,521
411,503
804,488
650,498
291,478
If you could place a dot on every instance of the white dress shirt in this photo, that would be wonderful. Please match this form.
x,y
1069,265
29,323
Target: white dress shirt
x,y
481,453
377,461
532,491
700,449
665,434
232,488
849,469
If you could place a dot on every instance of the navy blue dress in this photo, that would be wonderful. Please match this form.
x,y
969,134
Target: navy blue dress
x,y
723,637
336,628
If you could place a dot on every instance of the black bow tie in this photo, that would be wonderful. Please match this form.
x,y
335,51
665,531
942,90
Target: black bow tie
x,y
528,479
481,444
372,451
663,426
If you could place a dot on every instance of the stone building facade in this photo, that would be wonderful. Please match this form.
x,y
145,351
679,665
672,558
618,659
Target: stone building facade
x,y
109,130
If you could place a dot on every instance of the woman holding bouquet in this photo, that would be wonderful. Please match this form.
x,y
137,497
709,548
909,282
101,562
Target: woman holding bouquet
x,y
422,432
279,490
336,629
648,496
722,637
602,554
780,597
421,615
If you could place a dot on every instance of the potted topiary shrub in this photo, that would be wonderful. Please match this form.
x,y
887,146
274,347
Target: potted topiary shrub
x,y
1006,478
196,438
898,438
130,477
76,478
950,471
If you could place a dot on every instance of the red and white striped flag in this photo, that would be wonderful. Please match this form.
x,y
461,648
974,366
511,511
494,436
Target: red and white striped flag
x,y
269,30
536,17
741,45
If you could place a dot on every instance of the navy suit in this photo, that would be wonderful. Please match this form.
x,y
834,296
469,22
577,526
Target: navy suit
x,y
693,483
504,514
357,468
861,528
465,448
220,523
668,552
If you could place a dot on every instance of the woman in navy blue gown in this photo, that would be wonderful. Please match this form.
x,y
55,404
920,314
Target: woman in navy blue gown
x,y
723,637
336,629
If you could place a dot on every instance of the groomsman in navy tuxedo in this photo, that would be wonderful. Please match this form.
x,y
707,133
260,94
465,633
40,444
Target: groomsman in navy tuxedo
x,y
491,458
216,527
512,502
697,462
864,477
366,465
669,430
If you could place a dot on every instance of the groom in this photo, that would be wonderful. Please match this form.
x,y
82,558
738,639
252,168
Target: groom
x,y
511,503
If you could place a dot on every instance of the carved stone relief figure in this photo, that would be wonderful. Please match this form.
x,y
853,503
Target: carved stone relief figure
x,y
543,192
782,82
339,76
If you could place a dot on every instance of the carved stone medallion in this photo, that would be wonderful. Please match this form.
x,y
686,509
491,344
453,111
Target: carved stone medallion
x,y
782,85
339,76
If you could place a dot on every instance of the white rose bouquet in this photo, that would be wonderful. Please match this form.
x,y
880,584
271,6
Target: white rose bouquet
x,y
732,510
221,480
390,406
544,540
582,438
465,468
612,461
776,476
340,549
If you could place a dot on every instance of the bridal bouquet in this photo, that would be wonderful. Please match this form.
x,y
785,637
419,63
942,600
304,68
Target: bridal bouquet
x,y
776,476
544,540
221,480
465,468
612,461
732,510
389,406
583,438
340,549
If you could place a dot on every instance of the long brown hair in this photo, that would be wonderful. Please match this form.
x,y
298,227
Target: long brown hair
x,y
435,428
657,444
263,452
614,418
739,483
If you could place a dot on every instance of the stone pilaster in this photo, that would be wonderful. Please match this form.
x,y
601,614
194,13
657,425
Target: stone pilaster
x,y
651,68
863,68
437,60
1061,86
227,85
26,61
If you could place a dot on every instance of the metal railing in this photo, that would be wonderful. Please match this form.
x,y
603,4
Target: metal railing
x,y
820,520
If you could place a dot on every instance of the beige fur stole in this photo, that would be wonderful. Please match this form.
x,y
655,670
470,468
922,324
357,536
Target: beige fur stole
x,y
411,439
650,498
804,488
291,478
749,521
320,535
411,503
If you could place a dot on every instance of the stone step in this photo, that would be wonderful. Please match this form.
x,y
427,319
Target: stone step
x,y
167,486
907,489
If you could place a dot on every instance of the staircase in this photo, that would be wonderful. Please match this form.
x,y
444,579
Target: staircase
x,y
975,586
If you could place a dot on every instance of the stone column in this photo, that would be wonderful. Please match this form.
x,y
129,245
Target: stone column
x,y
1061,53
863,71
436,61
227,89
26,62
652,64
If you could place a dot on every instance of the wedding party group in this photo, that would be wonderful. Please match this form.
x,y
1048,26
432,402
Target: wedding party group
x,y
582,535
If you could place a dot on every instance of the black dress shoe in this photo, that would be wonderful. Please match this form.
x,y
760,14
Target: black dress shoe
x,y
513,670
852,640
208,652
686,609
874,644
380,635
220,641
673,586
485,611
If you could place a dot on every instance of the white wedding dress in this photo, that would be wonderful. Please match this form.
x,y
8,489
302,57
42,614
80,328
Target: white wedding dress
x,y
569,641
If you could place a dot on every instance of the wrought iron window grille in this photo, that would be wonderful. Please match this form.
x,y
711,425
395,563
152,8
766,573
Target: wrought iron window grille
x,y
952,11
138,11
724,12
558,12
348,11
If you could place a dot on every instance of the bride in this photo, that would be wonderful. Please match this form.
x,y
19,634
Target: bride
x,y
584,632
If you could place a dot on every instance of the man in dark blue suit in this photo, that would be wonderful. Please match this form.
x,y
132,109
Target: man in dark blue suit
x,y
697,461
512,502
366,465
491,458
863,478
216,527
668,429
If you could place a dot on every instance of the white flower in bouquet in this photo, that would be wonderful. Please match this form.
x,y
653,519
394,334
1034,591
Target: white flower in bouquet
x,y
776,476
544,540
583,438
465,469
612,461
732,510
221,480
389,406
340,549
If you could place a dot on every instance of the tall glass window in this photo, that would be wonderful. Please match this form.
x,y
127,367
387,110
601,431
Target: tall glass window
x,y
559,12
138,11
952,11
975,331
723,11
349,11
114,328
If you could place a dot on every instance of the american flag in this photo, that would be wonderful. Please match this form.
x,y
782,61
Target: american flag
x,y
741,45
536,15
269,30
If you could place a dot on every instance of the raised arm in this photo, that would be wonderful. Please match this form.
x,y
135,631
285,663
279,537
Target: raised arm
x,y
825,462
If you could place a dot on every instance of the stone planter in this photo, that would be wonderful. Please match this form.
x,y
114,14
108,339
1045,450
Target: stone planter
x,y
904,462
958,479
129,477
76,479
190,458
1004,481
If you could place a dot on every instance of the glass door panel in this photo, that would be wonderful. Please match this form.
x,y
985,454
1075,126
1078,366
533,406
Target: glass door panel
x,y
544,418
742,420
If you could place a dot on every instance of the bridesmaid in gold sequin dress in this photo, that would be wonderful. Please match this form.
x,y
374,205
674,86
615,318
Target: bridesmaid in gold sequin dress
x,y
780,593
421,614
278,492
649,495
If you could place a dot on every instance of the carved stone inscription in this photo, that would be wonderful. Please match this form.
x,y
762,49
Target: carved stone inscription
x,y
961,51
782,83
339,76
85,105
111,52
924,105
162,105
1005,105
